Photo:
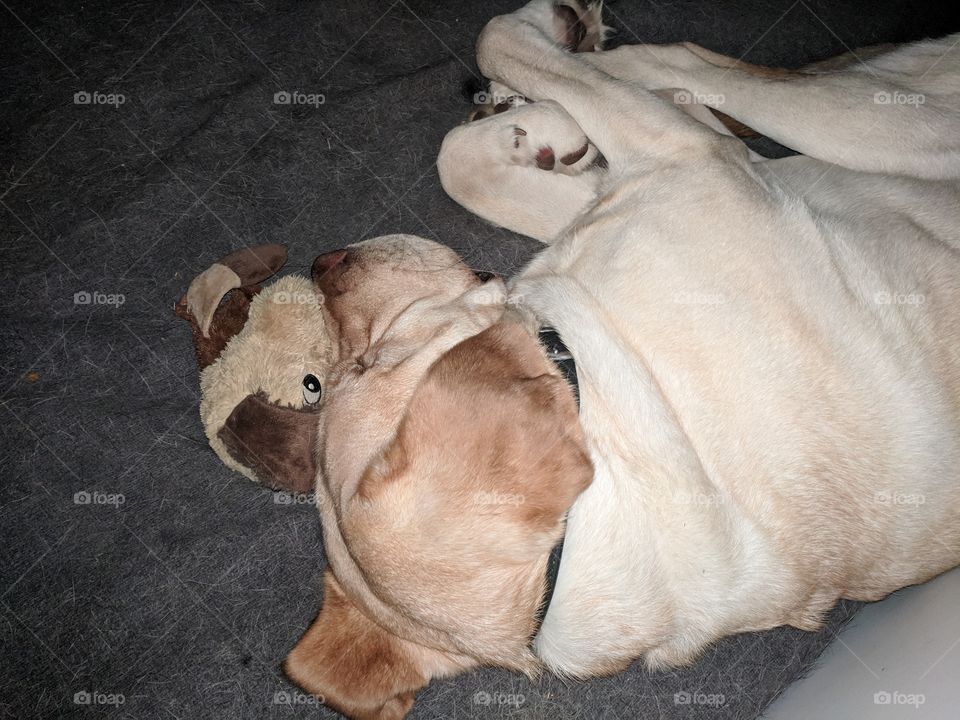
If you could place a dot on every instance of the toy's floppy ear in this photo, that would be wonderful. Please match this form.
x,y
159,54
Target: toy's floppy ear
x,y
214,324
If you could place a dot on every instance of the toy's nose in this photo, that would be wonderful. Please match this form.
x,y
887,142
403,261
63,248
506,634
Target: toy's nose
x,y
327,268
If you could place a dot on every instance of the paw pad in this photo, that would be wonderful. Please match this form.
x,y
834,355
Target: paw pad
x,y
545,158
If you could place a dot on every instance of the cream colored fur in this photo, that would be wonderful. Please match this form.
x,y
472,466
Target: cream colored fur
x,y
767,355
284,338
768,351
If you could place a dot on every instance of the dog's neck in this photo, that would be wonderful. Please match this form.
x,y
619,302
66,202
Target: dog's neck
x,y
560,356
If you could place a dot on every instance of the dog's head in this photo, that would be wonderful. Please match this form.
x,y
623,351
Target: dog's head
x,y
451,453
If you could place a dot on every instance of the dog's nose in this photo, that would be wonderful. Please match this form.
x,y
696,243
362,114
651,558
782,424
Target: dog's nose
x,y
327,268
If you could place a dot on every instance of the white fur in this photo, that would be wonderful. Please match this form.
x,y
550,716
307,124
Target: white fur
x,y
769,433
284,338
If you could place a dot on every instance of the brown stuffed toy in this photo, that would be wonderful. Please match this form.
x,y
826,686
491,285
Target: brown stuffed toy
x,y
262,353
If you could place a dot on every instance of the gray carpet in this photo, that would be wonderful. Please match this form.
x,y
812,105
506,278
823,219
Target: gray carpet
x,y
179,586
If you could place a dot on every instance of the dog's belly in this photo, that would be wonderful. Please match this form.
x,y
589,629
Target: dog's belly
x,y
896,243
868,203
775,363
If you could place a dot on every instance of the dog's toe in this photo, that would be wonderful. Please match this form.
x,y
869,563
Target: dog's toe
x,y
518,132
571,30
540,152
579,26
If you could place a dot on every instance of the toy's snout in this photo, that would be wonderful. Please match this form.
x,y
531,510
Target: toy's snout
x,y
277,443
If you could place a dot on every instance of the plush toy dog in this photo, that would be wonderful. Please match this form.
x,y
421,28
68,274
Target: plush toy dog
x,y
262,353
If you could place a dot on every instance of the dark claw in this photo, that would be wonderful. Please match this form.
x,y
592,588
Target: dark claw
x,y
576,156
517,134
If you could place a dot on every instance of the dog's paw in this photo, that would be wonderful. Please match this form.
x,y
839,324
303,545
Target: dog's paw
x,y
579,26
544,136
576,25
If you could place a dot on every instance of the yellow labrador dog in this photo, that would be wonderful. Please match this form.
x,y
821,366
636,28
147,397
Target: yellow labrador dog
x,y
768,361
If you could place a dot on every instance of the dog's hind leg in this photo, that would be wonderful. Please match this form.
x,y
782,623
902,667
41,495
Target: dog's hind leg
x,y
884,109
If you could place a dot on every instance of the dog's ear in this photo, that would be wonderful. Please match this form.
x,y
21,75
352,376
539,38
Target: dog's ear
x,y
355,666
214,324
490,448
493,398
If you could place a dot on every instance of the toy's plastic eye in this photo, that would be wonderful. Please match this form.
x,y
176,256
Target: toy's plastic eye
x,y
311,389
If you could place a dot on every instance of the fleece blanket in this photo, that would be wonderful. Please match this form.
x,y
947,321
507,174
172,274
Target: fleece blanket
x,y
139,577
